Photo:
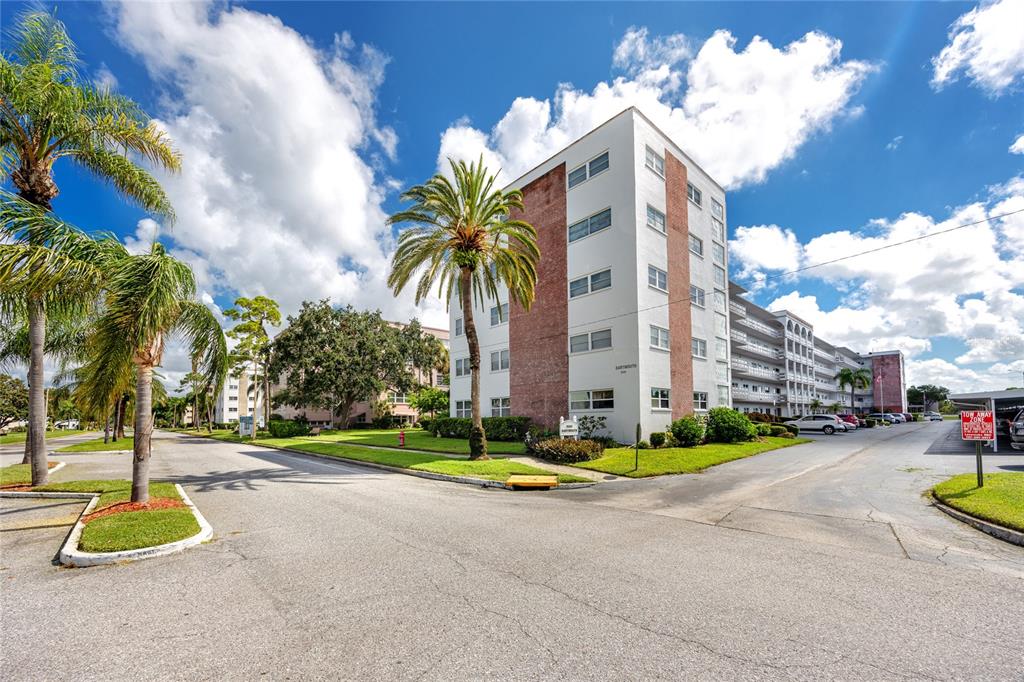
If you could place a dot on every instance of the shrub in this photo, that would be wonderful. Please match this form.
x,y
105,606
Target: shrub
x,y
568,451
657,439
283,428
496,428
777,430
643,445
589,424
726,425
787,434
759,417
764,429
687,431
424,424
869,423
793,428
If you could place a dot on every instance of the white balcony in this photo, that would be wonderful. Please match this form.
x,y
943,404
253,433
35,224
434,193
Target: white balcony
x,y
758,397
743,367
737,309
759,327
737,335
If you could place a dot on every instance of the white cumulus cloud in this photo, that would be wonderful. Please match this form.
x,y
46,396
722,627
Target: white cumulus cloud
x,y
739,112
985,44
1018,146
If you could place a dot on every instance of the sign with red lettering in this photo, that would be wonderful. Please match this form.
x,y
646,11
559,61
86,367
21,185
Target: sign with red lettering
x,y
977,425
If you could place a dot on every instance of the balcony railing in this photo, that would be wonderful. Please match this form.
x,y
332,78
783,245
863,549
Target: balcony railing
x,y
758,396
737,308
744,367
737,335
757,348
760,327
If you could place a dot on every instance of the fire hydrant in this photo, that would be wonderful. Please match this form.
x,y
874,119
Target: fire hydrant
x,y
401,438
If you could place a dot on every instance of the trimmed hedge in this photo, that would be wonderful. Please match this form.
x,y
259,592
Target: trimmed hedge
x,y
567,451
688,431
726,425
657,439
793,428
508,429
778,430
764,429
281,428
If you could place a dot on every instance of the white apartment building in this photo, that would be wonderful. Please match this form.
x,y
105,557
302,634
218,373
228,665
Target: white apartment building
x,y
631,316
235,400
779,366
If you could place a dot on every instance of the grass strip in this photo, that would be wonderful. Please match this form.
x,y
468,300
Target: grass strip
x,y
18,474
1000,501
97,445
620,461
20,436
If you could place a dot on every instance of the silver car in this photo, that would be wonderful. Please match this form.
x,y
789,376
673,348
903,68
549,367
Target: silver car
x,y
826,423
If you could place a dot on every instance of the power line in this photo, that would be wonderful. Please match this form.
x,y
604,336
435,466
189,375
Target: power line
x,y
780,275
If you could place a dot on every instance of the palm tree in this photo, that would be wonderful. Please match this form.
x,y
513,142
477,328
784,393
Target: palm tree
x,y
854,378
815,405
463,238
48,111
835,407
58,269
149,298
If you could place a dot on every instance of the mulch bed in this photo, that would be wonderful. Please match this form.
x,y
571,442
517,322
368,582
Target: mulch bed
x,y
120,507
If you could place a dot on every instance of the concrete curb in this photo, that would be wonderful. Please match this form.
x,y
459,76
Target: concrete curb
x,y
70,555
465,480
93,452
1005,534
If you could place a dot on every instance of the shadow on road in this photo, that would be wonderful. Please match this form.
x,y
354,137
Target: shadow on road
x,y
299,470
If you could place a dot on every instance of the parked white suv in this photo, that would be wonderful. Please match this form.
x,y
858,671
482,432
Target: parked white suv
x,y
826,423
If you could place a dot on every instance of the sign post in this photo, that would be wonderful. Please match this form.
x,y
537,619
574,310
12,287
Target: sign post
x,y
636,449
979,426
569,428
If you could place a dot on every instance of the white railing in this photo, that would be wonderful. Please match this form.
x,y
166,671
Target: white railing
x,y
759,326
757,396
737,335
747,368
737,308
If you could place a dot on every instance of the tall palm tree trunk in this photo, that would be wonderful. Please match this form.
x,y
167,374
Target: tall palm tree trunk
x,y
477,437
36,437
106,428
143,432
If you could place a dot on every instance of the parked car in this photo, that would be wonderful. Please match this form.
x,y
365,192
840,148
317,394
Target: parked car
x,y
881,417
826,423
895,417
850,420
907,417
66,424
932,416
1016,429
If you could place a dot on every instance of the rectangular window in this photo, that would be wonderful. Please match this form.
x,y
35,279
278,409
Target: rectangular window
x,y
696,296
723,396
590,225
499,360
721,349
718,230
699,347
660,399
655,162
232,409
659,338
579,343
720,303
590,283
599,340
700,400
499,314
657,278
693,193
721,326
578,287
720,277
655,219
721,371
717,209
718,253
233,397
458,327
592,400
462,368
397,398
464,408
696,245
598,164
501,407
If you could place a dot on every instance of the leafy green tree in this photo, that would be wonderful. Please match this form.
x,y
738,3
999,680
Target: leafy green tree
x,y
333,358
835,407
48,112
149,298
815,405
854,378
425,351
464,239
254,315
13,400
926,394
430,399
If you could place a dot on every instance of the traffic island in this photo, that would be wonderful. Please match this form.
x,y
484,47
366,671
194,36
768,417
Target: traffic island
x,y
112,529
997,508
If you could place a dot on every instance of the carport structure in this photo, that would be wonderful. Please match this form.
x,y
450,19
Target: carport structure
x,y
990,400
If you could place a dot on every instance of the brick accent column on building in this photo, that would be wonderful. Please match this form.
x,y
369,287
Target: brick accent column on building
x,y
679,322
538,338
887,383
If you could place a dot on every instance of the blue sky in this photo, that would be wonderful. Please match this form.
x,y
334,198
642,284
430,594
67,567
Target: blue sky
x,y
904,117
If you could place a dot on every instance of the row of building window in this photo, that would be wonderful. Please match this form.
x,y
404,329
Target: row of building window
x,y
588,284
601,399
584,172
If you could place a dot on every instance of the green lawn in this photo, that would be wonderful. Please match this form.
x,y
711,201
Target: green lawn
x,y
492,469
18,474
620,461
97,445
1000,501
418,439
50,435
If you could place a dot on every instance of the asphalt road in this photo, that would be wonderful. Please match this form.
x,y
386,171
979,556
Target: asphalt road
x,y
324,570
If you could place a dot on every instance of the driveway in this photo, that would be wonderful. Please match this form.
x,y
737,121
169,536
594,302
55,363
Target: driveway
x,y
326,570
861,490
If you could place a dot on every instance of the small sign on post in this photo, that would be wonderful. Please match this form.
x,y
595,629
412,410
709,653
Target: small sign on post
x,y
979,426
245,426
569,428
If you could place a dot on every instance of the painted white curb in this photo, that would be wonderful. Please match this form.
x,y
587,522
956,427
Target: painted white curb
x,y
70,555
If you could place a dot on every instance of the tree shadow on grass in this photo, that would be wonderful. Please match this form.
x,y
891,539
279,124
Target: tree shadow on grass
x,y
298,469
